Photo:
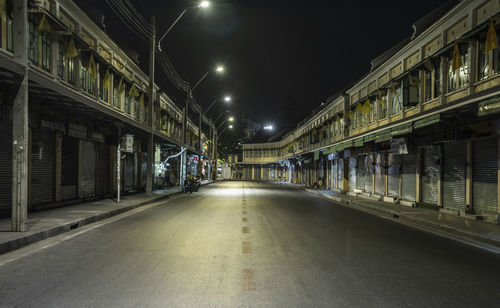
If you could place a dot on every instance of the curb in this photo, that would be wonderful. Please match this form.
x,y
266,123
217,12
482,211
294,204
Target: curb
x,y
42,235
420,224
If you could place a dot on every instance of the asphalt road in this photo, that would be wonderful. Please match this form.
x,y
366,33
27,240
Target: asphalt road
x,y
245,244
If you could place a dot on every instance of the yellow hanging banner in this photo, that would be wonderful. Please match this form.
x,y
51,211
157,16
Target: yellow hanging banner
x,y
133,92
365,107
44,25
457,59
381,99
92,68
71,51
491,39
141,100
121,85
106,80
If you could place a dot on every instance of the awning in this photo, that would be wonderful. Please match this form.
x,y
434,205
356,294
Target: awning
x,y
358,142
382,136
316,155
55,23
489,106
402,129
369,138
426,121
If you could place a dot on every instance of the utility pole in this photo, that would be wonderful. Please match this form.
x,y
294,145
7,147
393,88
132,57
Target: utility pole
x,y
151,117
20,130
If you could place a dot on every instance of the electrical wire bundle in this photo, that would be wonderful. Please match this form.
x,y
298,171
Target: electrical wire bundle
x,y
131,17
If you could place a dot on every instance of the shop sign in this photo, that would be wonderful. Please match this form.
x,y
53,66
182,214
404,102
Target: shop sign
x,y
399,146
98,137
53,125
128,143
77,131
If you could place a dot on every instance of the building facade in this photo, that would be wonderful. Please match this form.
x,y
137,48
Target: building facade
x,y
421,128
76,118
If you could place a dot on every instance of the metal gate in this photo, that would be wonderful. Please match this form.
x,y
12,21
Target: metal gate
x,y
5,161
88,171
454,160
485,175
69,167
128,168
265,173
42,166
352,173
369,173
409,176
361,172
394,162
430,174
380,174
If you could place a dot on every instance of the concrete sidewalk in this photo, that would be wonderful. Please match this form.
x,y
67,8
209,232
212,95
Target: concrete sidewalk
x,y
48,223
465,229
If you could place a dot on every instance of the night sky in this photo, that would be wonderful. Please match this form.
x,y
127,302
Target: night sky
x,y
282,58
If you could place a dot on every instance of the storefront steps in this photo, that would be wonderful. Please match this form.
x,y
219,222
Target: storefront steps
x,y
370,196
407,203
391,200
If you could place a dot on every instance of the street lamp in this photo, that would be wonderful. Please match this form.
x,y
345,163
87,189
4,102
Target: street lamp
x,y
203,4
227,99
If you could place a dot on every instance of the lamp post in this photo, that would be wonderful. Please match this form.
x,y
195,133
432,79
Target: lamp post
x,y
217,135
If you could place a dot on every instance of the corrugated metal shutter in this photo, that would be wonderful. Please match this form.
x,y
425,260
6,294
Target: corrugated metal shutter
x,y
340,173
248,172
266,173
128,165
334,174
257,173
5,161
409,176
352,173
454,160
380,174
144,169
88,171
369,173
42,166
103,169
430,174
485,175
361,172
394,162
69,167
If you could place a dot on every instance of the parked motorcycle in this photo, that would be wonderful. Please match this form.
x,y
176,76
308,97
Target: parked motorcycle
x,y
191,186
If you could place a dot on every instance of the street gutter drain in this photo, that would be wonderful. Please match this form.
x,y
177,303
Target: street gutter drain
x,y
73,226
395,216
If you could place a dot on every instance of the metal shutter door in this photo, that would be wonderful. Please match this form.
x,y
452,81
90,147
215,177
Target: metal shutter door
x,y
485,175
257,173
361,171
454,159
88,171
42,166
69,167
129,171
340,173
430,174
266,174
409,176
379,174
334,174
103,169
352,173
394,161
369,173
5,161
248,171
144,169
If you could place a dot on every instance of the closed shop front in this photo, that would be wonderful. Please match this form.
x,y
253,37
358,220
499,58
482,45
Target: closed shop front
x,y
369,160
352,173
88,156
5,161
247,172
409,176
42,166
340,173
430,174
257,173
394,165
69,167
380,173
485,175
265,173
454,167
103,169
128,171
334,182
361,172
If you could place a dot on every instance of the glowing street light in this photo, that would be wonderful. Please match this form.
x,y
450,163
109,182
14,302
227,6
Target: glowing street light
x,y
227,98
231,119
204,4
231,126
269,127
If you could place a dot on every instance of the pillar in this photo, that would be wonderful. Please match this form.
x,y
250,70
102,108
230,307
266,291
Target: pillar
x,y
58,167
151,112
20,121
418,196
